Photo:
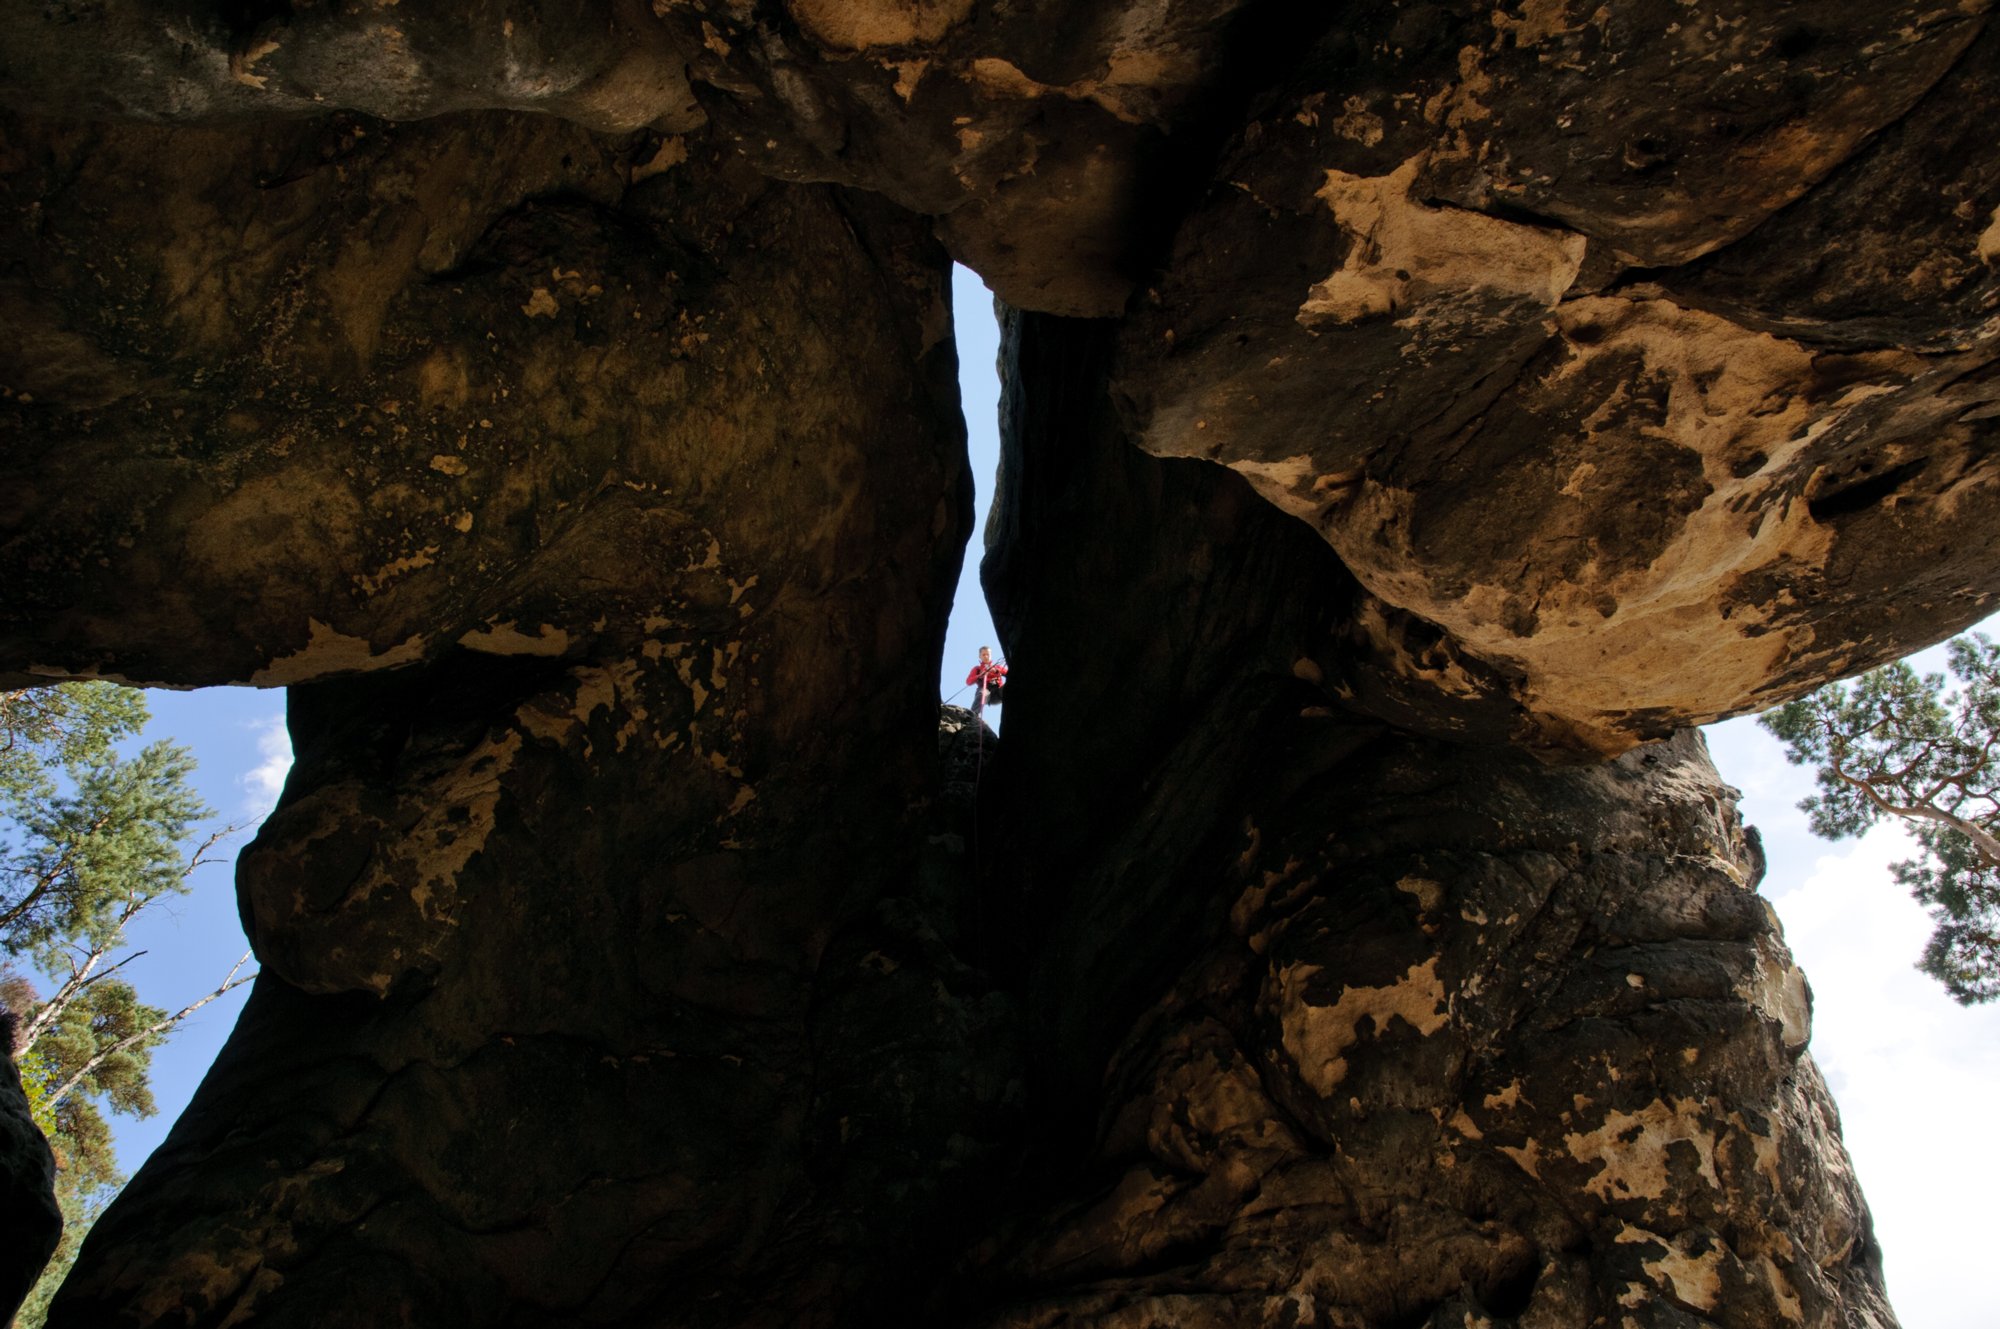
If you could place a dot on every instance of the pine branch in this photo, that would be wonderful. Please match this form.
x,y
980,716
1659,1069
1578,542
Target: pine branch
x,y
229,982
45,882
1982,839
80,976
201,856
79,979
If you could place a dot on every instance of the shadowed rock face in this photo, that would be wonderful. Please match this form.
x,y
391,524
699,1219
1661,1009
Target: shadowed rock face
x,y
27,1183
579,831
1350,1026
656,1054
372,393
1504,1044
1421,405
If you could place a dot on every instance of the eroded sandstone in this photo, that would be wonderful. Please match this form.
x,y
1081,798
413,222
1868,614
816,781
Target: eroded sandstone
x,y
1359,1027
557,401
1453,341
1514,1046
1709,309
561,572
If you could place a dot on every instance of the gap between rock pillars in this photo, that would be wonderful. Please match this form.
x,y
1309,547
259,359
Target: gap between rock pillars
x,y
977,331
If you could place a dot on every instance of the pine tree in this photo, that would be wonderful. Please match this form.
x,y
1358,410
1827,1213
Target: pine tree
x,y
1926,751
89,839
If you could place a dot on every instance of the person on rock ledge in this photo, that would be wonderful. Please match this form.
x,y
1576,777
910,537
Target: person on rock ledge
x,y
991,678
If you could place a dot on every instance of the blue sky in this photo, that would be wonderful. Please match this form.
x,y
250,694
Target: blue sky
x,y
979,397
1913,1072
239,743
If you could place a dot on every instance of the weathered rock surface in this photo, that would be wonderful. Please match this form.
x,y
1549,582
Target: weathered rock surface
x,y
1649,409
558,400
673,1061
1059,118
373,393
1447,301
965,745
1347,1026
1501,1043
602,845
27,1185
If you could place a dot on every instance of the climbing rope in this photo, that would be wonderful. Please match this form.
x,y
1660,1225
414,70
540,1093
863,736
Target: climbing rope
x,y
978,777
978,751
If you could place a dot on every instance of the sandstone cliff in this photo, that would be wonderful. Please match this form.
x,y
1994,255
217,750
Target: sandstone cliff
x,y
1416,416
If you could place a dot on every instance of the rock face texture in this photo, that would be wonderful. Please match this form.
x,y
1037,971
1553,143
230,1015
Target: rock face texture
x,y
1352,1026
1417,415
1503,1046
578,829
1505,249
377,393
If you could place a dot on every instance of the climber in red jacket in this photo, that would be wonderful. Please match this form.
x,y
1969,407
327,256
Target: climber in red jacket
x,y
991,678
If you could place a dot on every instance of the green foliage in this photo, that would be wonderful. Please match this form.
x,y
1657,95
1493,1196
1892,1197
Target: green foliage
x,y
91,830
38,1081
1962,888
88,839
87,1175
1896,744
102,1016
43,730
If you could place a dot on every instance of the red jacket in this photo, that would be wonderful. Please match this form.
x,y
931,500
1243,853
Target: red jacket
x,y
996,673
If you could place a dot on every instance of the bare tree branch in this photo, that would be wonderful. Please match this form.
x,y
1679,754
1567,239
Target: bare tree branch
x,y
81,975
229,981
1982,839
52,1009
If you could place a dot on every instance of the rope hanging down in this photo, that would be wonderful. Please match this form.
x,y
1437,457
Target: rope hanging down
x,y
980,679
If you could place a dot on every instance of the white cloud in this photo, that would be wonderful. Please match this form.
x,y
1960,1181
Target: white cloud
x,y
266,780
1914,1073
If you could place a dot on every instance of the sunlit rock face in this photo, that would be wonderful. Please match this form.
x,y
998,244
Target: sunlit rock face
x,y
1644,350
1416,407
